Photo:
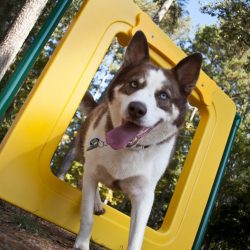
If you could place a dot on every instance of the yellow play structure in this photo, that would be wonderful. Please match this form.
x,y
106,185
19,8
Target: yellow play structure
x,y
25,154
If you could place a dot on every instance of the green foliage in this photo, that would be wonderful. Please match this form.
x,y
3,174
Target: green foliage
x,y
226,52
234,18
74,175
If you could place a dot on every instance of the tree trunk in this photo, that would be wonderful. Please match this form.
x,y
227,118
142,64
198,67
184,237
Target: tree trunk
x,y
18,32
161,13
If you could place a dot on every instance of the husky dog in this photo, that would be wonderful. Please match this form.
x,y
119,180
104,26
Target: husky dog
x,y
128,140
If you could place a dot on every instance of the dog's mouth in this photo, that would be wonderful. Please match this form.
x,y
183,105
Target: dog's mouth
x,y
127,135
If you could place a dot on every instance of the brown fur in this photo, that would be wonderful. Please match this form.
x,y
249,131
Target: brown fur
x,y
87,104
109,124
99,114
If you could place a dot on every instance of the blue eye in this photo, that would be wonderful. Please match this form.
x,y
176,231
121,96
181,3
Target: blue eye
x,y
163,95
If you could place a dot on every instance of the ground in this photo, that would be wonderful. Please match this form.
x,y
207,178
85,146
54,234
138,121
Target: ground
x,y
20,230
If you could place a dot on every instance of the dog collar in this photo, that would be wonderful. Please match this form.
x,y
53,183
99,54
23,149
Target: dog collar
x,y
139,146
98,143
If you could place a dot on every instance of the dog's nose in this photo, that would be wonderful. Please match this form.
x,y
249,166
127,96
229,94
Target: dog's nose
x,y
137,110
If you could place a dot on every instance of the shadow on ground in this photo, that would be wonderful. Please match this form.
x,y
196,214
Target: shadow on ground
x,y
20,230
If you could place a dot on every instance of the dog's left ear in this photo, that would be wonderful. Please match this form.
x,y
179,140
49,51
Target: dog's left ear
x,y
187,72
137,50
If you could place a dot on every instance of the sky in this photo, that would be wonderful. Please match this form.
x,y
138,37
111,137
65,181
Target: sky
x,y
198,18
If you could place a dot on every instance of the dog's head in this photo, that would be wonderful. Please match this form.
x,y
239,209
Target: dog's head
x,y
145,100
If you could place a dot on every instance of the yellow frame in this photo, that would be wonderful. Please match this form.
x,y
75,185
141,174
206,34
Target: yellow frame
x,y
26,152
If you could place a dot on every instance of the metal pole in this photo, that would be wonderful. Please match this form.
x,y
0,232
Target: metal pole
x,y
211,201
23,68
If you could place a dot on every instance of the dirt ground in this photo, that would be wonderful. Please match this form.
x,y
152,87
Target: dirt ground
x,y
20,230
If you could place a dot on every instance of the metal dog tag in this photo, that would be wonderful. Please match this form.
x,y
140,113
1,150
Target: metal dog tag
x,y
96,143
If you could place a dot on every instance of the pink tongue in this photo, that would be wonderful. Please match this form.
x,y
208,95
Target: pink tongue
x,y
119,137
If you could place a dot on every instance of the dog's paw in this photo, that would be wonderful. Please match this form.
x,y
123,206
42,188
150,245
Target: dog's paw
x,y
99,211
81,246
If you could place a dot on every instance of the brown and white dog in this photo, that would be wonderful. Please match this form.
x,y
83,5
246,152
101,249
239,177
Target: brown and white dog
x,y
136,129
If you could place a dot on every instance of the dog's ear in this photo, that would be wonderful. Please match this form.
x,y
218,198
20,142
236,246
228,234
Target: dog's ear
x,y
187,72
137,50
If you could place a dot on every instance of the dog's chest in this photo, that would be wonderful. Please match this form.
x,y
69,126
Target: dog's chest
x,y
122,163
126,170
112,166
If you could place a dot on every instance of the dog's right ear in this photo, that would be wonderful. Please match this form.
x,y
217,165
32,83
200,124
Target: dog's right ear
x,y
187,72
137,50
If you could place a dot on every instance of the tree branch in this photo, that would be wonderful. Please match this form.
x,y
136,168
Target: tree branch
x,y
162,12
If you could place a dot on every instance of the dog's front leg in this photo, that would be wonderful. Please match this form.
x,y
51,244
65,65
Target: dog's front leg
x,y
141,208
88,199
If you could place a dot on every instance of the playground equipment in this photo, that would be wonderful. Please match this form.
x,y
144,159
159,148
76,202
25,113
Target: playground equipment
x,y
27,149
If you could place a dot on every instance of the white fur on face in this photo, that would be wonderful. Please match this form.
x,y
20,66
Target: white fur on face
x,y
155,79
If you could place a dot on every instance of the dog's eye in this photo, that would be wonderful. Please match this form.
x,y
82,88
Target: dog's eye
x,y
163,95
134,84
